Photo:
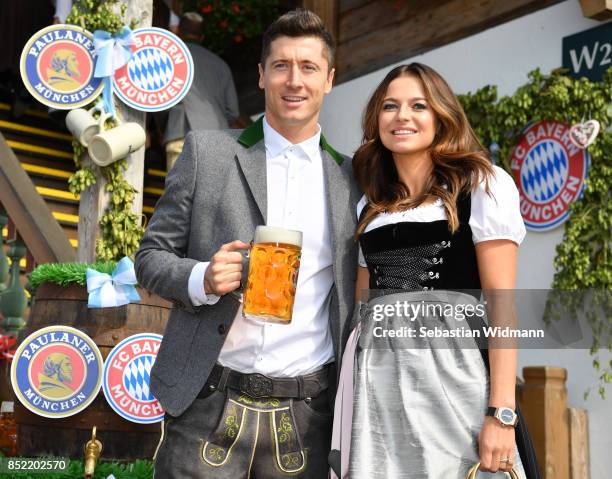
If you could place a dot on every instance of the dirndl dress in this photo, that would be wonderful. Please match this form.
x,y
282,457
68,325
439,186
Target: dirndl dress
x,y
413,407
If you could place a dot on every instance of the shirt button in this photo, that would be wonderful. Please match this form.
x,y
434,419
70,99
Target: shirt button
x,y
221,329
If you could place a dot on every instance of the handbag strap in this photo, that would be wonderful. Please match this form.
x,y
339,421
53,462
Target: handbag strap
x,y
474,470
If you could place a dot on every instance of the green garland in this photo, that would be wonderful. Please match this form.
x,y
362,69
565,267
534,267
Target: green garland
x,y
120,228
583,262
65,274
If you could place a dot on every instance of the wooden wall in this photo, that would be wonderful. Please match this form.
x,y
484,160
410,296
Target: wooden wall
x,y
375,33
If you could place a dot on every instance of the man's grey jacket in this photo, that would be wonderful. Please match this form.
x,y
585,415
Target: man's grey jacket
x,y
216,193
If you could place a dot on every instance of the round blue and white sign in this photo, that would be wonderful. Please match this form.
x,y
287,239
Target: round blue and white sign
x,y
127,373
57,67
158,75
57,371
550,172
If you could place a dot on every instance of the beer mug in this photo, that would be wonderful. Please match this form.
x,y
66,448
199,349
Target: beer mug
x,y
274,263
111,145
82,124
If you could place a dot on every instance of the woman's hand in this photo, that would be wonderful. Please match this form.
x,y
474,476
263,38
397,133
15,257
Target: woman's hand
x,y
496,442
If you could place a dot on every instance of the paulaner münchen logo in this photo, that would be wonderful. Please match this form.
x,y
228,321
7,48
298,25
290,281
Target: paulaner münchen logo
x,y
57,66
57,371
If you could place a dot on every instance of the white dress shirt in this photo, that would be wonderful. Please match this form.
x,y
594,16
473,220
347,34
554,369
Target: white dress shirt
x,y
296,201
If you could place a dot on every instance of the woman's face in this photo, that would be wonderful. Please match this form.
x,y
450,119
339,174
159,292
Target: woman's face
x,y
406,122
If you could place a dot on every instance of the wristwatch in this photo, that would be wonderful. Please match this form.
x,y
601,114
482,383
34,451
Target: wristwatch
x,y
505,415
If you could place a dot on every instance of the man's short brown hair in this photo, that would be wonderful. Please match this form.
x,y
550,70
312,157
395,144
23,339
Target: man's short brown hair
x,y
298,23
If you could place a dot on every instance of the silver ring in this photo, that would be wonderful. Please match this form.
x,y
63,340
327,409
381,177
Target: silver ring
x,y
505,460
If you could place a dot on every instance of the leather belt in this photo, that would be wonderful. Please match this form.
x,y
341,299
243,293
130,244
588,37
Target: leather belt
x,y
260,386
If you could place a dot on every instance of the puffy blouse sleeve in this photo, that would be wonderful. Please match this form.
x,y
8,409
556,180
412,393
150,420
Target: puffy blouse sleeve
x,y
360,206
498,215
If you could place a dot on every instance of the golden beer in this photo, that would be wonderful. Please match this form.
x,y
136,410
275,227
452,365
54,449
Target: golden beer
x,y
274,263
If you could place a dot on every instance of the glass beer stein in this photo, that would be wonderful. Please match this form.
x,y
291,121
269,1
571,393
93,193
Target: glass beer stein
x,y
274,263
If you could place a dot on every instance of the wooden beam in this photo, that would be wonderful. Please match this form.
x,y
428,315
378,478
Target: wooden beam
x,y
328,11
374,35
94,200
346,5
579,444
378,15
597,9
40,231
544,402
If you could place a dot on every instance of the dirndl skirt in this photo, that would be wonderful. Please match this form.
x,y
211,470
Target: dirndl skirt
x,y
420,398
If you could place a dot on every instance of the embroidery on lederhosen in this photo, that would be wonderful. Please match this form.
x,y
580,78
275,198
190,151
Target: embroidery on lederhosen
x,y
290,456
234,422
262,403
164,434
217,451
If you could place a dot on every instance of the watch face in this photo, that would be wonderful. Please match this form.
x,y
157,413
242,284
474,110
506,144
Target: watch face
x,y
506,415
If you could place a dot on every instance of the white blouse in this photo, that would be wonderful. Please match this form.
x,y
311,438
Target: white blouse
x,y
493,217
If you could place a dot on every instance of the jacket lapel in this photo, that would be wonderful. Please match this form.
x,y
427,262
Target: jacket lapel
x,y
252,161
337,191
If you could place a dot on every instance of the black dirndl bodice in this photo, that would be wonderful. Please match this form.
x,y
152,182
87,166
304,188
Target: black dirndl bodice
x,y
422,255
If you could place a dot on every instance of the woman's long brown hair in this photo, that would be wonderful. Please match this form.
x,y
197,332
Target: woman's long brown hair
x,y
459,159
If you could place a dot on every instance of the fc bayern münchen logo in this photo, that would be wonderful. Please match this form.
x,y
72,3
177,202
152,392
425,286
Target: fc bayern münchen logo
x,y
57,66
56,371
550,172
158,75
127,373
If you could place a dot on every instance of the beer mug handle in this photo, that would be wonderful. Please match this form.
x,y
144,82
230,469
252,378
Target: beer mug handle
x,y
237,293
102,120
99,107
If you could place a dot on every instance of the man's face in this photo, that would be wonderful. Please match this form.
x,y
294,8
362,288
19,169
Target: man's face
x,y
295,79
66,370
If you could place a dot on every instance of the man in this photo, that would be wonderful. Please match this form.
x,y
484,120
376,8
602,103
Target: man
x,y
245,399
212,103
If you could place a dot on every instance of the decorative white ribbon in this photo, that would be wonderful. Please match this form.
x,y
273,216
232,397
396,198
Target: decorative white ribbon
x,y
113,52
107,291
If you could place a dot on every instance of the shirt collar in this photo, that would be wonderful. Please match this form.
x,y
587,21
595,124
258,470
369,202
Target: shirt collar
x,y
276,143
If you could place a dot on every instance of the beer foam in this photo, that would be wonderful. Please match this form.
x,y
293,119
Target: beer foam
x,y
271,234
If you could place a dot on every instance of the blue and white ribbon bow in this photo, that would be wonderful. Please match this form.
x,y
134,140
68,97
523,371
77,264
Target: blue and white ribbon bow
x,y
107,291
113,52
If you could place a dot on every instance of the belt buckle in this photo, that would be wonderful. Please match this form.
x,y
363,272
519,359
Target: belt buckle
x,y
256,385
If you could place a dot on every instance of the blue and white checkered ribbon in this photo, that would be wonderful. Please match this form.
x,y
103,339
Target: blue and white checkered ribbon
x,y
113,52
107,291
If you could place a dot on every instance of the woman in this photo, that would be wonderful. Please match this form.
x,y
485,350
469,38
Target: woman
x,y
436,218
